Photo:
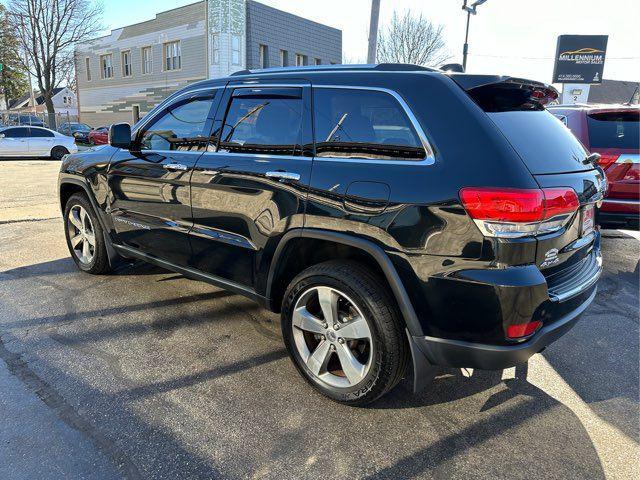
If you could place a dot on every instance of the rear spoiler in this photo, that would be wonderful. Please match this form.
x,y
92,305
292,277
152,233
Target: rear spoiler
x,y
500,93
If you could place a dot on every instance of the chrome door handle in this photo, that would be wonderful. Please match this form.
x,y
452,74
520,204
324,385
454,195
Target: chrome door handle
x,y
175,167
284,175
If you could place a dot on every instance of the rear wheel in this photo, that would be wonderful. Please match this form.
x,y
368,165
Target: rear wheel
x,y
84,235
344,333
58,152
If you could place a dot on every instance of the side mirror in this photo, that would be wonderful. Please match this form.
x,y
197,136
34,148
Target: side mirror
x,y
120,136
1,135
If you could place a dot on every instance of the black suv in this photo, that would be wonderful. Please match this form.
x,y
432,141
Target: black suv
x,y
393,214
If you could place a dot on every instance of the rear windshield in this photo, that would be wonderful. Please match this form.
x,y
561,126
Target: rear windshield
x,y
614,130
543,142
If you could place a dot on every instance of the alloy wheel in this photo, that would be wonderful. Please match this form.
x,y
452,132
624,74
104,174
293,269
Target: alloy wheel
x,y
332,337
81,234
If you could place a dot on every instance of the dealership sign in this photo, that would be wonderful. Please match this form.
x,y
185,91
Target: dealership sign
x,y
580,58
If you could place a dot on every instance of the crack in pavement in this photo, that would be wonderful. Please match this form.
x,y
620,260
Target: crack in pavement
x,y
56,402
27,220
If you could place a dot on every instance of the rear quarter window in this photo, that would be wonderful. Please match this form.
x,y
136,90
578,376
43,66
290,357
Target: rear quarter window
x,y
543,142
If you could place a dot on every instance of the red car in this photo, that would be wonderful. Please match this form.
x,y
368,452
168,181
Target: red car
x,y
99,136
612,131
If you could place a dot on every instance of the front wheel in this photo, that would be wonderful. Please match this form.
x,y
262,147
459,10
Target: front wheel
x,y
84,235
344,333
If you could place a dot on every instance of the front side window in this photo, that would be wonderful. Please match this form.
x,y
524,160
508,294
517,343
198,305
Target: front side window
x,y
264,124
106,66
172,55
235,50
180,127
126,63
367,124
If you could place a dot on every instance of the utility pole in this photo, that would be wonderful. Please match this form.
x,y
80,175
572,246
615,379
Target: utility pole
x,y
373,31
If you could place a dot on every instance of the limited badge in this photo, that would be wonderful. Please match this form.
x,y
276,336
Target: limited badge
x,y
550,258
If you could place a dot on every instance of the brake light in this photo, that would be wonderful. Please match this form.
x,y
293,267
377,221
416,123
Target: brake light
x,y
607,159
522,330
507,212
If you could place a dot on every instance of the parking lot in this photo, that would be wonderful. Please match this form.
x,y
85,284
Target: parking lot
x,y
146,374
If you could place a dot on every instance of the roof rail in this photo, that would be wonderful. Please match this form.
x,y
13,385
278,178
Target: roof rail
x,y
386,67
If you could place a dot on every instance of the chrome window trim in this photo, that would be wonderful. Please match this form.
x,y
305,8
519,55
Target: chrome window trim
x,y
265,156
429,158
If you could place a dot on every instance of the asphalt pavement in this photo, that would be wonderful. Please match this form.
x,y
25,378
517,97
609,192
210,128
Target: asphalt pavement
x,y
146,374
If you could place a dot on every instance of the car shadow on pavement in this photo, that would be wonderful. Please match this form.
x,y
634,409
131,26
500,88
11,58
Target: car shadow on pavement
x,y
543,435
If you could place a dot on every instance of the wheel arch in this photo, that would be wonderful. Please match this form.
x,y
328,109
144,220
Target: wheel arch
x,y
363,249
70,186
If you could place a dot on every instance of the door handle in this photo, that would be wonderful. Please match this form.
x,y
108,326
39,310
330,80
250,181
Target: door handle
x,y
284,175
175,167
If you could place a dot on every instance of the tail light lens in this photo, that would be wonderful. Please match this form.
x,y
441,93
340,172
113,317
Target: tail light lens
x,y
522,330
511,213
607,159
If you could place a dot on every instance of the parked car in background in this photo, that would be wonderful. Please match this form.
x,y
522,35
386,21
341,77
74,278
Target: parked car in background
x,y
79,131
612,131
393,214
24,119
99,136
35,142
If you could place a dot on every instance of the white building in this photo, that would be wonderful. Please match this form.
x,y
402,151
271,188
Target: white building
x,y
65,102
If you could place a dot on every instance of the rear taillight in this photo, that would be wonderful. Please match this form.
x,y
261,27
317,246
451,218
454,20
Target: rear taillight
x,y
522,330
606,159
510,213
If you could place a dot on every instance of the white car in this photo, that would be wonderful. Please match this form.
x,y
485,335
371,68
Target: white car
x,y
35,142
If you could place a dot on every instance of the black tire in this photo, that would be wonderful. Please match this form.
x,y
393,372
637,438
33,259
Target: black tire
x,y
390,349
99,263
58,152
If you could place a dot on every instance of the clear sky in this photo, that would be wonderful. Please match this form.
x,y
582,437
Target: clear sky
x,y
515,37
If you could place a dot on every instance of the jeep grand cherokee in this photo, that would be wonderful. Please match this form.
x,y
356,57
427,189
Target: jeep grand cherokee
x,y
395,215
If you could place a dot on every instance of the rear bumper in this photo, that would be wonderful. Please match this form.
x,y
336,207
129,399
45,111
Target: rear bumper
x,y
462,354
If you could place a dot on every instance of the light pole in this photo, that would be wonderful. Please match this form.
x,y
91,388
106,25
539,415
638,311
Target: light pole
x,y
470,11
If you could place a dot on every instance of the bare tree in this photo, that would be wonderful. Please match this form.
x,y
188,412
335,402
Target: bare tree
x,y
48,31
412,39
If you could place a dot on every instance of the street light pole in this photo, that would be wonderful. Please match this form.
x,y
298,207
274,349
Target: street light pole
x,y
465,49
470,11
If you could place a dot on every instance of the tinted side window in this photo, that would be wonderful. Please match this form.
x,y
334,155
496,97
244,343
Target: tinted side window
x,y
268,125
363,124
40,133
16,133
181,126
